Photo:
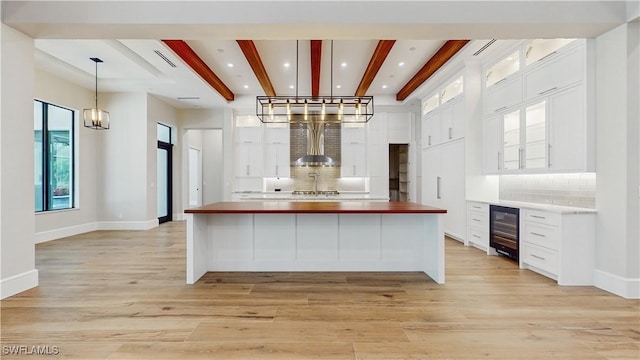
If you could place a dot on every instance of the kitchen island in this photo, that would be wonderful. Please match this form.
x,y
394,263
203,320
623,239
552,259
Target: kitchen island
x,y
315,236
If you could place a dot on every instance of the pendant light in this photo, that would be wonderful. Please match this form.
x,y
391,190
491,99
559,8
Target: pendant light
x,y
96,118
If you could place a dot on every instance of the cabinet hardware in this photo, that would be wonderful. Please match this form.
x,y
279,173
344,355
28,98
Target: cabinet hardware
x,y
476,207
476,236
438,187
500,108
549,155
537,234
429,140
520,152
450,134
247,170
499,81
478,220
548,90
546,56
538,217
499,166
538,257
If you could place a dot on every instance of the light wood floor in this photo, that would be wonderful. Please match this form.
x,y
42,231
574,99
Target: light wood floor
x,y
122,295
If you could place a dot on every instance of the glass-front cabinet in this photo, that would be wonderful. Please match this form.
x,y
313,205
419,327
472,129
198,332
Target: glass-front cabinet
x,y
540,49
511,137
535,146
504,68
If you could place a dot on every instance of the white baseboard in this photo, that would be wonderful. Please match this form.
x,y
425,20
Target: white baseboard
x,y
628,288
49,235
18,283
179,217
127,225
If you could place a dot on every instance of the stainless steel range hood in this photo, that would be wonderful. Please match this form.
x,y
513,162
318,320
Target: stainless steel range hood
x,y
315,148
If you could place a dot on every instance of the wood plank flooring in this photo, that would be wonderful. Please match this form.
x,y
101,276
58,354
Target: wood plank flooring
x,y
122,295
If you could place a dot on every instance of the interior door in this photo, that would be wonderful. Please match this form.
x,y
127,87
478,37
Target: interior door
x,y
195,177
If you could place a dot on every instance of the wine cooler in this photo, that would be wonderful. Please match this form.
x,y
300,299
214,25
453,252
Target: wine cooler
x,y
504,228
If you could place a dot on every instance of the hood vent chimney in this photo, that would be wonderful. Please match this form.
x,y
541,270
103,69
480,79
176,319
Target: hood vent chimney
x,y
315,148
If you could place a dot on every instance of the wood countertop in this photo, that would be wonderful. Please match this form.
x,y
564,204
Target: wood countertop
x,y
314,207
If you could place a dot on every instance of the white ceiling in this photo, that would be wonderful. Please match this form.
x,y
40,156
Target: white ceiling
x,y
69,33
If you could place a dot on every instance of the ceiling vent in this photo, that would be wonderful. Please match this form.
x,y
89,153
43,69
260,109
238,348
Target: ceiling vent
x,y
484,47
188,98
165,58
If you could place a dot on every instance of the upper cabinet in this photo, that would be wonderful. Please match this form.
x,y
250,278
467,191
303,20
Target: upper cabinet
x,y
353,150
536,117
248,133
276,150
443,114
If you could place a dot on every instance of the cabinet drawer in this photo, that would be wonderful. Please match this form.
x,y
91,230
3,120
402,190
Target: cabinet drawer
x,y
477,219
541,217
542,235
539,257
478,236
479,207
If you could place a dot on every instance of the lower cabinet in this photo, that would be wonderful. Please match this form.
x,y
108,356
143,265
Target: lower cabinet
x,y
477,225
560,246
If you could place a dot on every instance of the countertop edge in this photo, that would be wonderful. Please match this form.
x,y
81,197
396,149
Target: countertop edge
x,y
558,209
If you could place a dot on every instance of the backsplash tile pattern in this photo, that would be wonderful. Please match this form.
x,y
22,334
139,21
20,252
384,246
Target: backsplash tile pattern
x,y
328,179
577,190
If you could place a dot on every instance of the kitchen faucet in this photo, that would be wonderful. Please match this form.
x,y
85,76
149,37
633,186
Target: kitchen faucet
x,y
315,176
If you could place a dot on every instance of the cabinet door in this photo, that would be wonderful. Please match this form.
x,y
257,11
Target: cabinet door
x,y
511,149
504,95
458,119
493,144
535,136
568,134
446,123
276,160
276,135
354,160
249,159
431,128
452,188
377,130
248,134
561,71
430,178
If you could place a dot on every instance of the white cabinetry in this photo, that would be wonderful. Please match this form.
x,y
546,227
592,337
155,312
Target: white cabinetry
x,y
443,116
568,145
554,71
560,246
353,151
503,95
477,225
249,154
276,152
399,127
443,184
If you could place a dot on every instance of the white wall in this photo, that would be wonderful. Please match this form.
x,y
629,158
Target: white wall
x,y
212,162
17,251
56,224
124,177
617,162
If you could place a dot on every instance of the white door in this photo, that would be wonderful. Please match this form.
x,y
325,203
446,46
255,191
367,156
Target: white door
x,y
195,177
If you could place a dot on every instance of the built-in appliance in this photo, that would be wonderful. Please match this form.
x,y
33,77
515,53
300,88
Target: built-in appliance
x,y
504,228
315,148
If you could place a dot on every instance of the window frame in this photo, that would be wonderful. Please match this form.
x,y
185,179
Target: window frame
x,y
45,150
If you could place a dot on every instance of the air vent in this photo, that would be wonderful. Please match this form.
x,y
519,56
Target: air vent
x,y
484,47
188,98
165,58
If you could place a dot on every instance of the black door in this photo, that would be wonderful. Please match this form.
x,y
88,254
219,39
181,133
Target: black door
x,y
164,182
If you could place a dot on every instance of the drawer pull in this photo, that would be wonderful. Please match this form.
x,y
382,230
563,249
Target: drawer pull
x,y
478,220
476,207
537,234
476,236
538,217
546,56
500,108
548,90
537,257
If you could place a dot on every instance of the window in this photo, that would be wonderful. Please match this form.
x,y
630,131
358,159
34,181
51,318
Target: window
x,y
54,162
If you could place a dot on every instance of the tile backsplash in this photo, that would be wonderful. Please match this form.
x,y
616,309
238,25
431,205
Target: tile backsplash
x,y
577,190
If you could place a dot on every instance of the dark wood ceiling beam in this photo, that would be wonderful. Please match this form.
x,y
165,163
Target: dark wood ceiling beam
x,y
446,52
186,53
316,57
251,53
377,59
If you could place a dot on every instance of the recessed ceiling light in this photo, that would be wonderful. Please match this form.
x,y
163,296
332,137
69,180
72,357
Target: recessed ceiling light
x,y
229,65
413,48
384,86
291,87
338,86
246,86
391,75
220,51
401,64
344,64
287,64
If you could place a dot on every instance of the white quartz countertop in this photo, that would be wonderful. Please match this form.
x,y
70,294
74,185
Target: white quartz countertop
x,y
535,206
288,196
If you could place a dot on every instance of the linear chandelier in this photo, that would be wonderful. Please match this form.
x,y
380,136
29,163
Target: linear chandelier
x,y
306,109
96,118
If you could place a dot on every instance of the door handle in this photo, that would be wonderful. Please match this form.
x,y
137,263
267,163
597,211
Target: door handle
x,y
248,170
450,134
438,187
549,155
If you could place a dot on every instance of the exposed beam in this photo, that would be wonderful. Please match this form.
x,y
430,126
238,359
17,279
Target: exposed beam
x,y
186,53
377,59
251,53
316,57
446,52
